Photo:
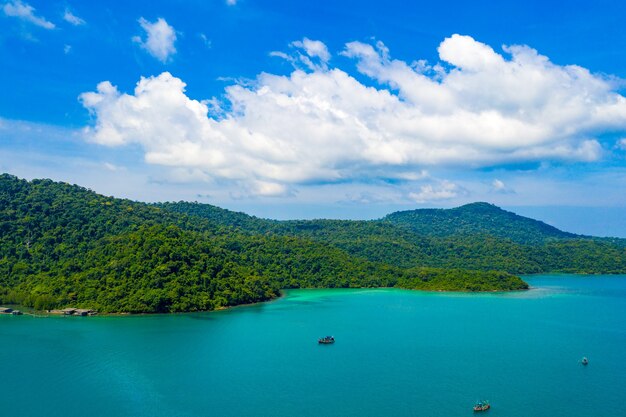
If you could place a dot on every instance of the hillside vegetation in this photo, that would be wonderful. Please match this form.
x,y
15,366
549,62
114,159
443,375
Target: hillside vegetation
x,y
477,236
64,245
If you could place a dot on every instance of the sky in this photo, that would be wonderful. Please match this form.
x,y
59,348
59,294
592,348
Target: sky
x,y
342,109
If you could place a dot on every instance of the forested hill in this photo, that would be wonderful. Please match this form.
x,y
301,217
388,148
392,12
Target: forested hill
x,y
470,220
477,219
220,216
476,236
63,245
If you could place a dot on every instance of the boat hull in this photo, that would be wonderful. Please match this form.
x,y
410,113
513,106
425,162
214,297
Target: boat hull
x,y
482,406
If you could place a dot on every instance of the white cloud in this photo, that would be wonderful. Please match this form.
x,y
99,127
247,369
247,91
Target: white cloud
x,y
112,167
26,12
621,144
160,38
231,2
445,190
312,54
71,18
321,124
314,49
499,187
205,40
269,189
365,198
283,55
67,49
412,175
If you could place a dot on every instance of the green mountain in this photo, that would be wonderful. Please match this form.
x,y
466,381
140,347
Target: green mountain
x,y
477,219
476,236
63,245
470,220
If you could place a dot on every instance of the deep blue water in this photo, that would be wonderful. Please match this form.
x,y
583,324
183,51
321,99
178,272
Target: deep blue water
x,y
398,353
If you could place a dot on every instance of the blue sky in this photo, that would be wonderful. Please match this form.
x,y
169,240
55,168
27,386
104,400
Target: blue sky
x,y
346,109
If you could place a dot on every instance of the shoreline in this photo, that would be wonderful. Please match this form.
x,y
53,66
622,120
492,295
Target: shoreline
x,y
282,294
46,314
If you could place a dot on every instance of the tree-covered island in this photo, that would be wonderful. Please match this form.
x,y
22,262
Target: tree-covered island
x,y
63,245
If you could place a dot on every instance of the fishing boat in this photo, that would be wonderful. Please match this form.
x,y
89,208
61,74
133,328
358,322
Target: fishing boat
x,y
327,340
482,405
584,360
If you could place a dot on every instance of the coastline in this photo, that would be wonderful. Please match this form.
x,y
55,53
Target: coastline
x,y
28,312
282,293
47,314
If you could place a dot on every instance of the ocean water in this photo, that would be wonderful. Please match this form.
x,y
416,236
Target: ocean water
x,y
398,353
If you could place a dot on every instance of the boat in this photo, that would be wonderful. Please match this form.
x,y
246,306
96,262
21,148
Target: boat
x,y
327,340
482,405
584,360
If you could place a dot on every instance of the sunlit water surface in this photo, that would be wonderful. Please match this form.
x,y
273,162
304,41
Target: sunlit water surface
x,y
398,353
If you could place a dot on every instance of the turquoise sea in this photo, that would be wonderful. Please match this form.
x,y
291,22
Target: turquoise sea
x,y
398,353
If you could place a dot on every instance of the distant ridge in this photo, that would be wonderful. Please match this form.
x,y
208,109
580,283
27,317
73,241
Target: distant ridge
x,y
477,219
472,219
477,236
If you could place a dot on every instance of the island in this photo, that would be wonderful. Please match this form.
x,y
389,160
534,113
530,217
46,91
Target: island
x,y
64,246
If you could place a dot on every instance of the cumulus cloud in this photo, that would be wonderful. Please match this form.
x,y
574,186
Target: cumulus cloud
x,y
26,12
499,187
445,190
160,39
71,18
313,49
475,108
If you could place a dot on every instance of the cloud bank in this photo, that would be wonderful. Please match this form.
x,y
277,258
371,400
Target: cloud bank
x,y
319,124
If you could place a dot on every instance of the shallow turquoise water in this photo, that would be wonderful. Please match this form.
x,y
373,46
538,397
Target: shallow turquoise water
x,y
398,353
